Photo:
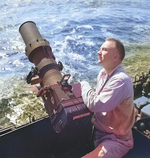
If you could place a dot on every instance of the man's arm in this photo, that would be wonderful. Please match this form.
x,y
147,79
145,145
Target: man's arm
x,y
109,98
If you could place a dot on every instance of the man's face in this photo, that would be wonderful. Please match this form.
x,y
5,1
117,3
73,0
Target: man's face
x,y
107,53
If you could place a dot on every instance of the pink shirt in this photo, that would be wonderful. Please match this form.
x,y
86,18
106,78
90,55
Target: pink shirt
x,y
112,103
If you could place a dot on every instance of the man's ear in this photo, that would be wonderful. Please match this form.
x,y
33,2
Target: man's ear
x,y
116,56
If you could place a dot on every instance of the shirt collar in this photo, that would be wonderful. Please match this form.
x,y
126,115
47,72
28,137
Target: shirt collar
x,y
118,66
104,72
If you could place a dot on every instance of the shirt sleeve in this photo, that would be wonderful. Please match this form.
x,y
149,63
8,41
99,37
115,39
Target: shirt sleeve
x,y
109,98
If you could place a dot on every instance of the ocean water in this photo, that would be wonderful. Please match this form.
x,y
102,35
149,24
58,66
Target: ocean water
x,y
75,29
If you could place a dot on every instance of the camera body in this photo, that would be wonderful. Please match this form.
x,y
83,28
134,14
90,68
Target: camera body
x,y
62,101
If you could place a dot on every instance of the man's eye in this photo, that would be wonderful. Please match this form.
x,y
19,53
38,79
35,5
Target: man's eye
x,y
104,49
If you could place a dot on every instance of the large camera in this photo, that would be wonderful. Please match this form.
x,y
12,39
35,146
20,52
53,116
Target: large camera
x,y
62,101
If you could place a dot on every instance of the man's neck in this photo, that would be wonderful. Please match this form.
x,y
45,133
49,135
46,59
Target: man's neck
x,y
110,69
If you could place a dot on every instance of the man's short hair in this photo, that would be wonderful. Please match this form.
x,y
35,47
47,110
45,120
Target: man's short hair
x,y
119,46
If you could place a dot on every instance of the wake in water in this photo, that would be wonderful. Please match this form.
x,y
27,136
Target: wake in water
x,y
75,30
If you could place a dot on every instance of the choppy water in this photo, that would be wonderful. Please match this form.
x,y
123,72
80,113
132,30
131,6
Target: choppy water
x,y
75,30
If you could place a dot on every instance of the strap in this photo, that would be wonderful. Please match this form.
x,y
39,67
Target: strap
x,y
46,68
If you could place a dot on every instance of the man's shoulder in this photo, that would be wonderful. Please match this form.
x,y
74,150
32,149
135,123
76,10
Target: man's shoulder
x,y
121,75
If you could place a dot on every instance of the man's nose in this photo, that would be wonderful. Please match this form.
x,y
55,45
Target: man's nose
x,y
99,52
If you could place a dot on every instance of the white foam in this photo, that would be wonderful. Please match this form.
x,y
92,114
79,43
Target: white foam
x,y
18,63
85,27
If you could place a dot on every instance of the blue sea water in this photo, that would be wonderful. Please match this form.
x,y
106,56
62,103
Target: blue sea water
x,y
75,29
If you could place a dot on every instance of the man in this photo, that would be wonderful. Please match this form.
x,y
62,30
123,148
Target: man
x,y
112,104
